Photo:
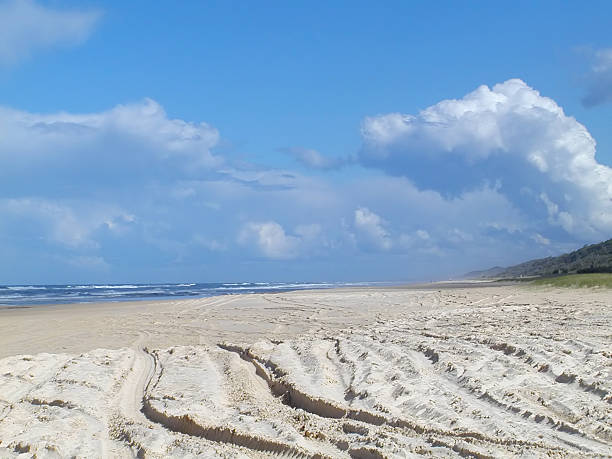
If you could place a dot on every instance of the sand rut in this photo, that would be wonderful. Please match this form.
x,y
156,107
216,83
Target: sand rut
x,y
234,407
295,398
291,396
372,368
186,425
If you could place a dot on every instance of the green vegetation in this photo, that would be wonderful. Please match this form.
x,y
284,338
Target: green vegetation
x,y
577,280
595,258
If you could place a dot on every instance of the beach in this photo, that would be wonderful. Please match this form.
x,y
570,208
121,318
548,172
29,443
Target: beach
x,y
444,370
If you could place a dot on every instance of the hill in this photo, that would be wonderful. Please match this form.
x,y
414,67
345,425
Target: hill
x,y
485,273
595,258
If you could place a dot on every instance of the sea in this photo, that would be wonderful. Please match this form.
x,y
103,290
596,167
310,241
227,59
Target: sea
x,y
23,295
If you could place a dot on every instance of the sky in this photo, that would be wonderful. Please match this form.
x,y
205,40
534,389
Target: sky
x,y
226,141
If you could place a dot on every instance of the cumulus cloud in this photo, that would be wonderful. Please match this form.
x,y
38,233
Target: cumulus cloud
x,y
508,135
315,160
126,144
26,26
371,229
512,177
72,225
271,240
415,240
599,78
79,183
143,126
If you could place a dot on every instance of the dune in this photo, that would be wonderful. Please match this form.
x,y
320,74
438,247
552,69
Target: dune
x,y
484,371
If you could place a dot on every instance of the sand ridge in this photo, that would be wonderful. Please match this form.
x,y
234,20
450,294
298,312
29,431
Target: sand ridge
x,y
481,372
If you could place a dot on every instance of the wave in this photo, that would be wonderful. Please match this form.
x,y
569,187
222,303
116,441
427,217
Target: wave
x,y
116,286
273,287
19,288
236,284
87,293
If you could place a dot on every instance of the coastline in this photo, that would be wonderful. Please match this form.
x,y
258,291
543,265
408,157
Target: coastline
x,y
446,284
29,295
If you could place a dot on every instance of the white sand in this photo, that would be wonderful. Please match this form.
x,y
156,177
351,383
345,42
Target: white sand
x,y
481,372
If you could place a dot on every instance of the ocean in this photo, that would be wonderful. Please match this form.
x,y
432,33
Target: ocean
x,y
22,295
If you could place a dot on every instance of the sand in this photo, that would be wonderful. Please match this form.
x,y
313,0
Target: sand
x,y
504,371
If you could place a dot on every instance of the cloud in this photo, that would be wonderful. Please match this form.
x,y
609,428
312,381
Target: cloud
x,y
26,26
420,241
414,239
540,239
315,160
113,184
509,136
510,172
371,229
599,78
143,126
271,240
124,146
71,225
211,244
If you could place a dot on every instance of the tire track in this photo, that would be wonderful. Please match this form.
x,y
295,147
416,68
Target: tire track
x,y
292,396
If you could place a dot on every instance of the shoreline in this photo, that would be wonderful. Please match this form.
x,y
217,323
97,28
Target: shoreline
x,y
447,284
87,294
78,327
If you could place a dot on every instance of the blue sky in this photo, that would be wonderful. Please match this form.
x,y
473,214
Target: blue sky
x,y
228,141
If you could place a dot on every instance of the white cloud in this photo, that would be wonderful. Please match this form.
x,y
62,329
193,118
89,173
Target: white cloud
x,y
75,182
457,236
371,229
26,26
599,78
314,159
509,134
308,232
422,234
420,241
512,173
70,225
540,239
126,148
141,131
271,240
262,178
